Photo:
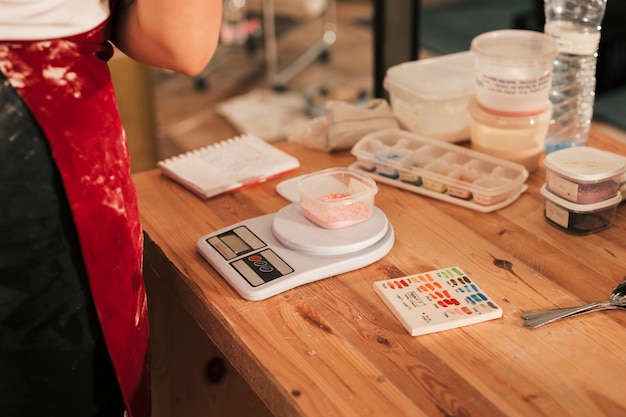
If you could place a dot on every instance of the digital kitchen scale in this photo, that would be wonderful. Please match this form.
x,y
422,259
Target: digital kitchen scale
x,y
266,255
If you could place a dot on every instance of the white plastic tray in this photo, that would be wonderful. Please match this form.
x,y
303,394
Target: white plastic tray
x,y
439,170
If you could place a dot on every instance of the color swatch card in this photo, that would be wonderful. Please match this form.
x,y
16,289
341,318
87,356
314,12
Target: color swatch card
x,y
436,300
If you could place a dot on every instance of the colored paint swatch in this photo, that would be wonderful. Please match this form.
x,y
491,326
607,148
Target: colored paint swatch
x,y
436,300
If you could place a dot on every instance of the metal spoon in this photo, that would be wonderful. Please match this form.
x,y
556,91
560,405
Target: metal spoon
x,y
617,299
617,294
567,311
539,318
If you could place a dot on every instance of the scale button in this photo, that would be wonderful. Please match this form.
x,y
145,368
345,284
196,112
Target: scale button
x,y
260,263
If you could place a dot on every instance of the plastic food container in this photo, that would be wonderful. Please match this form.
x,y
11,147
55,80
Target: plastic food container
x,y
514,70
583,175
429,96
439,170
579,219
337,197
515,138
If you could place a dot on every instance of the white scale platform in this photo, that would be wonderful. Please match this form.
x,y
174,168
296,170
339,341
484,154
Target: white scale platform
x,y
266,255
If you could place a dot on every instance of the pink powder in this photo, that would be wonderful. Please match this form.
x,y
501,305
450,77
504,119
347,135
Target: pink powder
x,y
595,192
336,217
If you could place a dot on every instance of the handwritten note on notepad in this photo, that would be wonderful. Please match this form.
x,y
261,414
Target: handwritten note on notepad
x,y
228,165
436,300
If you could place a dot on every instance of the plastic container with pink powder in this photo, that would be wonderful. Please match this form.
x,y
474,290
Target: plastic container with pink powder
x,y
337,197
584,175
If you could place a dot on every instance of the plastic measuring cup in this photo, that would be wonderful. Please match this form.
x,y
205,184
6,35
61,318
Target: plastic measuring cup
x,y
513,71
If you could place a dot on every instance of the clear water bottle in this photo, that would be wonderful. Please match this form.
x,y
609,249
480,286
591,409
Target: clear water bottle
x,y
575,24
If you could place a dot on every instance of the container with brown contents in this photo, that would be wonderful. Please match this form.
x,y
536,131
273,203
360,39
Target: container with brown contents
x,y
579,219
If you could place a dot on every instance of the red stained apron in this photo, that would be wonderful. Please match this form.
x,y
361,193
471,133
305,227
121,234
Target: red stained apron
x,y
67,85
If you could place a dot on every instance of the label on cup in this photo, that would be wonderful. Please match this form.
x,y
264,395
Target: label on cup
x,y
507,95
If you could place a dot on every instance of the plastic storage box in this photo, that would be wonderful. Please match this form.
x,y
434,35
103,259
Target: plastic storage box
x,y
579,219
439,170
337,197
430,96
583,175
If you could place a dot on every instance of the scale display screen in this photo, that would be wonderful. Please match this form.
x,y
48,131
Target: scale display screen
x,y
236,242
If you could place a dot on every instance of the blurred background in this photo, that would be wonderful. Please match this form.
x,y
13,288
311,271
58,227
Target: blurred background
x,y
252,83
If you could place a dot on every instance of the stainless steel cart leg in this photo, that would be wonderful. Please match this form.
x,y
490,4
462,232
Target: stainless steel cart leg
x,y
279,77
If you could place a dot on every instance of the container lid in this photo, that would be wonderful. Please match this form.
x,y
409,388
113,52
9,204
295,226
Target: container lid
x,y
440,78
581,208
330,180
585,164
508,44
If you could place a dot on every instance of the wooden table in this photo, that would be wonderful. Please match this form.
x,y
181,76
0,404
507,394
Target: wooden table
x,y
332,348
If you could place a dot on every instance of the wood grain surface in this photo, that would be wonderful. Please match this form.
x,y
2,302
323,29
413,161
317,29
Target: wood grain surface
x,y
332,348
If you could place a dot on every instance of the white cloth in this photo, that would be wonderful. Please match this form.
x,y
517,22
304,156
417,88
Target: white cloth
x,y
49,19
343,125
268,114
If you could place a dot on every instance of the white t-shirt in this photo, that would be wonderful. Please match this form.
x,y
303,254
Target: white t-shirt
x,y
49,19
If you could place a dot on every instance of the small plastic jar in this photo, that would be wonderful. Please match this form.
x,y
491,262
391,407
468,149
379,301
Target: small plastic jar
x,y
517,139
337,197
514,70
579,219
583,175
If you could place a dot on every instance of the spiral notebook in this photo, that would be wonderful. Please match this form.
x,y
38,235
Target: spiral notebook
x,y
228,165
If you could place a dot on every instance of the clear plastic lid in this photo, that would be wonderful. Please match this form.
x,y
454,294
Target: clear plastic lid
x,y
439,78
515,47
585,164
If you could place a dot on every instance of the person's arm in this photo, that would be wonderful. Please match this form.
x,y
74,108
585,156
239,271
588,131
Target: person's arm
x,y
180,35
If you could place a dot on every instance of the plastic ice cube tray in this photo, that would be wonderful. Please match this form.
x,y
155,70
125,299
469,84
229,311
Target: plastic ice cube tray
x,y
439,170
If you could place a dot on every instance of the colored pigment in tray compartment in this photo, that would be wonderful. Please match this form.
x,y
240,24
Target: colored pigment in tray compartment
x,y
465,175
434,183
385,160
